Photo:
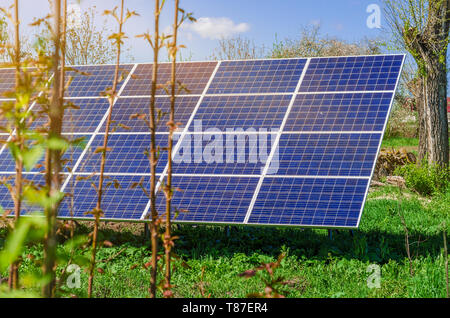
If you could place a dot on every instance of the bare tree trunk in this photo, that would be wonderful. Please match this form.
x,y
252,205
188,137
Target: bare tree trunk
x,y
53,159
435,94
423,135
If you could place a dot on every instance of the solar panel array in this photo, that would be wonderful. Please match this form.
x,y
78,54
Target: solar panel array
x,y
304,135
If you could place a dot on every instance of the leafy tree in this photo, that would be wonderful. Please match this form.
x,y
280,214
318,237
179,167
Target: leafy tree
x,y
422,28
312,43
87,43
237,48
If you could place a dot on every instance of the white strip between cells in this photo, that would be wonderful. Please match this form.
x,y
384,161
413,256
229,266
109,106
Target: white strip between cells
x,y
226,95
344,92
223,95
183,134
381,141
88,145
130,174
165,133
275,145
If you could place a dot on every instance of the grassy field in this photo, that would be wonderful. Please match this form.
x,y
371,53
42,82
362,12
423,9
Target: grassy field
x,y
398,142
315,266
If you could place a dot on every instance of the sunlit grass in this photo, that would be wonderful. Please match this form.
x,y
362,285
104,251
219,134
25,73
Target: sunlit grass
x,y
315,266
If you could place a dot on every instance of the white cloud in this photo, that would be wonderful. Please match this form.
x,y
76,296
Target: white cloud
x,y
216,28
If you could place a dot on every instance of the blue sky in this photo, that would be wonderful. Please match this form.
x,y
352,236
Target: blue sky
x,y
258,20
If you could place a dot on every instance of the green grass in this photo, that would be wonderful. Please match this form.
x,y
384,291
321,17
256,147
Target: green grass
x,y
398,142
315,266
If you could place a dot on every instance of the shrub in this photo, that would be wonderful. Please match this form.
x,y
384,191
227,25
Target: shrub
x,y
426,179
402,123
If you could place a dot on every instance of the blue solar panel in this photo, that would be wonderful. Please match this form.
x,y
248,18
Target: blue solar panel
x,y
245,112
83,115
223,154
124,108
326,136
128,154
263,76
326,154
193,75
120,199
339,112
69,158
7,80
309,202
6,202
93,81
211,199
364,73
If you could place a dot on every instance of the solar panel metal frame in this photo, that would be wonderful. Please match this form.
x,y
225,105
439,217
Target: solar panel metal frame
x,y
262,176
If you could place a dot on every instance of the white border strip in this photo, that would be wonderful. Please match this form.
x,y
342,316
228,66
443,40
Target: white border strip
x,y
130,174
227,133
94,134
183,134
226,95
241,60
275,145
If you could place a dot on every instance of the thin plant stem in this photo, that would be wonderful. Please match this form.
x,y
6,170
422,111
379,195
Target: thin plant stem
x,y
53,159
97,212
172,127
154,229
13,281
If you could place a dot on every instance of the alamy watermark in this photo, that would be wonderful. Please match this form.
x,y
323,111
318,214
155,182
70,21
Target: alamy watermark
x,y
74,279
235,145
374,18
374,279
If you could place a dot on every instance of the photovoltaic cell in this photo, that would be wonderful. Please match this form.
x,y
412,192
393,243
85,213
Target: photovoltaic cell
x,y
309,202
6,202
364,73
263,76
7,80
245,112
121,200
93,81
339,112
83,115
126,107
240,154
193,75
326,154
128,154
69,158
211,199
